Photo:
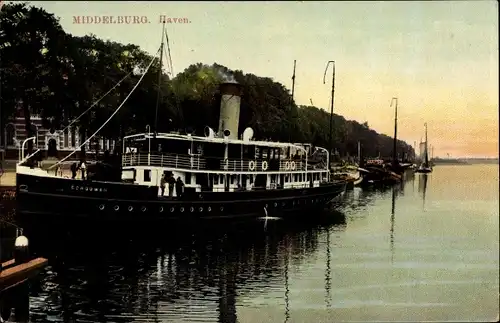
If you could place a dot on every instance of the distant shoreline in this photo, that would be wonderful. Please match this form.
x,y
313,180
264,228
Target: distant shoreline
x,y
465,161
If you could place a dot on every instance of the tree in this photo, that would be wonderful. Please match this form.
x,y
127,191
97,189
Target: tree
x,y
31,43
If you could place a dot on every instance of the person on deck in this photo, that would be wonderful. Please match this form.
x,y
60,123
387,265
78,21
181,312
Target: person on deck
x,y
83,168
171,183
179,187
74,166
163,182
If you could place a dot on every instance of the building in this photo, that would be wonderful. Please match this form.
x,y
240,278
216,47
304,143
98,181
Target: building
x,y
52,143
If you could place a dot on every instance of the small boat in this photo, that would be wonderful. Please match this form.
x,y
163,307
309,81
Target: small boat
x,y
377,173
350,174
424,167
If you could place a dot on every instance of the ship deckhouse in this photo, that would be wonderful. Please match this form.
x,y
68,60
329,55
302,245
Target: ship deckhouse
x,y
221,162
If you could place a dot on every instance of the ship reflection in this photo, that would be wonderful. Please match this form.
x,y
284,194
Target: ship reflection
x,y
422,186
190,274
393,216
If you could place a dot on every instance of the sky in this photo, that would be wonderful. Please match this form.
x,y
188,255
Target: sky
x,y
440,59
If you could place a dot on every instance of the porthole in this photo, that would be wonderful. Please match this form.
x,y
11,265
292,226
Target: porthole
x,y
275,204
209,209
191,209
172,210
143,209
221,208
182,209
101,207
200,209
161,209
130,208
116,208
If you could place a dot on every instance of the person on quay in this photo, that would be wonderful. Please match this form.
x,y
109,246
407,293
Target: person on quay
x,y
179,187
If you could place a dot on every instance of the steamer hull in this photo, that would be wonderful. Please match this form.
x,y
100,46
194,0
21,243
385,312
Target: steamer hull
x,y
43,199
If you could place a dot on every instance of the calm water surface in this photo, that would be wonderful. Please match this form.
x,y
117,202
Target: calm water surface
x,y
424,251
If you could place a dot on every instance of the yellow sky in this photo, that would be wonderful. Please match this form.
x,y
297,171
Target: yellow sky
x,y
439,58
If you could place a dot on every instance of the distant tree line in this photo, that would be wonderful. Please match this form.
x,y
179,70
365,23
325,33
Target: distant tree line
x,y
46,71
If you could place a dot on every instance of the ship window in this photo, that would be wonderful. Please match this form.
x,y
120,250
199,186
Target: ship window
x,y
73,137
147,175
66,138
11,134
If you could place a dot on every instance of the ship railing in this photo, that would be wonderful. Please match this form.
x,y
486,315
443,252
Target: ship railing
x,y
198,162
164,160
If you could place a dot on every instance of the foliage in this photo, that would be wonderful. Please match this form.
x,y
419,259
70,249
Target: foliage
x,y
49,72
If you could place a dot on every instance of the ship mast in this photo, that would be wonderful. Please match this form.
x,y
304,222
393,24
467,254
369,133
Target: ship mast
x,y
394,152
293,92
293,80
426,156
331,106
159,78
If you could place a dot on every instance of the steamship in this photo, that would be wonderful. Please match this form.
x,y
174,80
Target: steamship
x,y
224,175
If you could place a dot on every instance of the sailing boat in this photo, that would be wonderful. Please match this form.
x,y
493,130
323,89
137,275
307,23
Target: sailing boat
x,y
424,165
218,176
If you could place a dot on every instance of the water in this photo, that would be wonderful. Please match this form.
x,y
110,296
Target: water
x,y
425,251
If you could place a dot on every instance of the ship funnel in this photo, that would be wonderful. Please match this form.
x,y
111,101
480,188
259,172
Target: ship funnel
x,y
229,110
209,132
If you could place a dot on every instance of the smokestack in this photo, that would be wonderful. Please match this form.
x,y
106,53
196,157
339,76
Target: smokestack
x,y
229,110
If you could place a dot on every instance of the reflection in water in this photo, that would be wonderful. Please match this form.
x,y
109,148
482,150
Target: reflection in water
x,y
195,273
287,287
328,278
248,274
393,212
422,186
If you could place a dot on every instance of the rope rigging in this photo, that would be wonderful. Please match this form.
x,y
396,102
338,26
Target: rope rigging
x,y
112,115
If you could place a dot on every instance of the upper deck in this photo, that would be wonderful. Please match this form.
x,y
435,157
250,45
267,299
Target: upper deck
x,y
220,154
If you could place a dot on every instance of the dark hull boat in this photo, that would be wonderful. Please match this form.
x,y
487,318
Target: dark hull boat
x,y
423,170
67,199
216,176
379,176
